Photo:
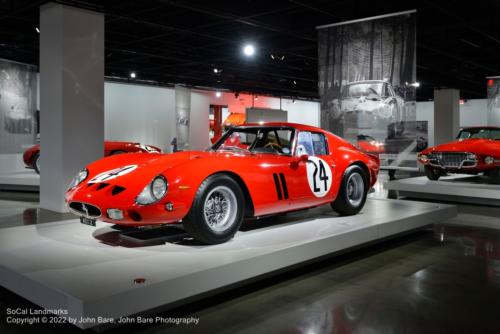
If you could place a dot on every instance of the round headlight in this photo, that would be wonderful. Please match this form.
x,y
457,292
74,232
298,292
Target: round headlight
x,y
153,192
489,160
79,178
159,187
423,157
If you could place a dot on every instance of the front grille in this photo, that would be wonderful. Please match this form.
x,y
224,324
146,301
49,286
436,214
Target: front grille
x,y
85,209
452,159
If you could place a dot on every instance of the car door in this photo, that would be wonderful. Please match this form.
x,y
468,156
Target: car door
x,y
310,181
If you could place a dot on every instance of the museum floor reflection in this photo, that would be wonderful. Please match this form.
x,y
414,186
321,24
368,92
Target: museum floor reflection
x,y
444,280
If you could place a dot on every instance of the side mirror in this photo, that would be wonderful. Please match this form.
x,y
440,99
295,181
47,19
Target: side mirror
x,y
303,158
295,163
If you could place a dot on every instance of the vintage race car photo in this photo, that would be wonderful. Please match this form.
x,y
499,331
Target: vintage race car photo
x,y
31,156
476,150
253,170
371,103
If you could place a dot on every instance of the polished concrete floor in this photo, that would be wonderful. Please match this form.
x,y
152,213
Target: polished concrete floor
x,y
442,280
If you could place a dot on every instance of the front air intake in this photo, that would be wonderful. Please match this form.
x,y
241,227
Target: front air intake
x,y
85,209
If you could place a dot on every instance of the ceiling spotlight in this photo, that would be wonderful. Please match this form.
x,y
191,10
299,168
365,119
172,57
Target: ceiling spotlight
x,y
216,70
294,82
37,30
132,75
249,50
272,56
282,58
218,94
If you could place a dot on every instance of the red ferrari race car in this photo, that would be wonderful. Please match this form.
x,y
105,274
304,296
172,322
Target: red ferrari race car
x,y
476,150
253,170
31,156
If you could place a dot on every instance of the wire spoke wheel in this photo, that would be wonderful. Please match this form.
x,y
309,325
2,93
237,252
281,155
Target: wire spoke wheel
x,y
220,208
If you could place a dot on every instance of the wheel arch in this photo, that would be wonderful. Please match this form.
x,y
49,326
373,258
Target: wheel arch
x,y
249,207
365,169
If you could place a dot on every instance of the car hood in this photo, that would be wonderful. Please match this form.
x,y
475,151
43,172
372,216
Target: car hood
x,y
477,146
143,167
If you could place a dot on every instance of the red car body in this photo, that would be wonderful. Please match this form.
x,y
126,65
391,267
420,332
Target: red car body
x,y
110,148
368,144
476,150
270,183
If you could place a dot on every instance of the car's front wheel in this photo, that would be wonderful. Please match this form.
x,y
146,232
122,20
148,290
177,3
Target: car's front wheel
x,y
36,163
432,174
217,211
352,193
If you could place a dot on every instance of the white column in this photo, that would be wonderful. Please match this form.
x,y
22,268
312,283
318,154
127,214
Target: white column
x,y
71,97
182,113
446,115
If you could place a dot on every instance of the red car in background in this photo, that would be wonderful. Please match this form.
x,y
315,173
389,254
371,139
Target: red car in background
x,y
253,170
476,150
31,156
368,144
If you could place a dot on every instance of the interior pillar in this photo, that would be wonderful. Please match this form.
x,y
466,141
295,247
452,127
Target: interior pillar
x,y
446,115
182,115
71,97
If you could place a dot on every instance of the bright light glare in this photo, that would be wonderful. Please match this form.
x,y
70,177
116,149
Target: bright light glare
x,y
132,75
218,94
249,50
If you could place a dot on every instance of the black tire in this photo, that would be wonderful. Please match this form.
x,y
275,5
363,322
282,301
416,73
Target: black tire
x,y
196,223
117,152
349,203
36,162
432,174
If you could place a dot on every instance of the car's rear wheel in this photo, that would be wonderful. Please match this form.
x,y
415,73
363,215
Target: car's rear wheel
x,y
432,174
217,211
352,193
36,163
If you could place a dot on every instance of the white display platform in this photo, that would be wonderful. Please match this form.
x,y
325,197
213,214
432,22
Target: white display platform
x,y
92,271
27,180
454,188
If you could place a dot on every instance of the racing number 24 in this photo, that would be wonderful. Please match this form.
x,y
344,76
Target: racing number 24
x,y
321,177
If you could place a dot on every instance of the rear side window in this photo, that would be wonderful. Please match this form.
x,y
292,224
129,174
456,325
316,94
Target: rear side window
x,y
311,143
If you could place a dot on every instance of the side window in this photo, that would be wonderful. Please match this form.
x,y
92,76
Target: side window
x,y
311,144
319,144
304,144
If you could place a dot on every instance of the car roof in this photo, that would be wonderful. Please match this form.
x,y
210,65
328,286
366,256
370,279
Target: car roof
x,y
297,126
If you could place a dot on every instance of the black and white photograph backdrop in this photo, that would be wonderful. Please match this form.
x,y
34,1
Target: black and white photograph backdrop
x,y
18,91
493,96
367,82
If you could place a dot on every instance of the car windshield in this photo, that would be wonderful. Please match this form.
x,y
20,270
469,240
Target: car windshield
x,y
272,140
363,89
479,133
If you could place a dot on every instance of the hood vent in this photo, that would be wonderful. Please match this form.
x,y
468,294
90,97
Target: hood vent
x,y
117,189
102,185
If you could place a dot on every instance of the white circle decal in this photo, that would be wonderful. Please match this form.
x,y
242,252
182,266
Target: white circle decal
x,y
319,176
112,174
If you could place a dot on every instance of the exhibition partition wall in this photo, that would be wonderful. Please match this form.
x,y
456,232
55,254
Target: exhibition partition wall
x,y
367,81
18,119
493,96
